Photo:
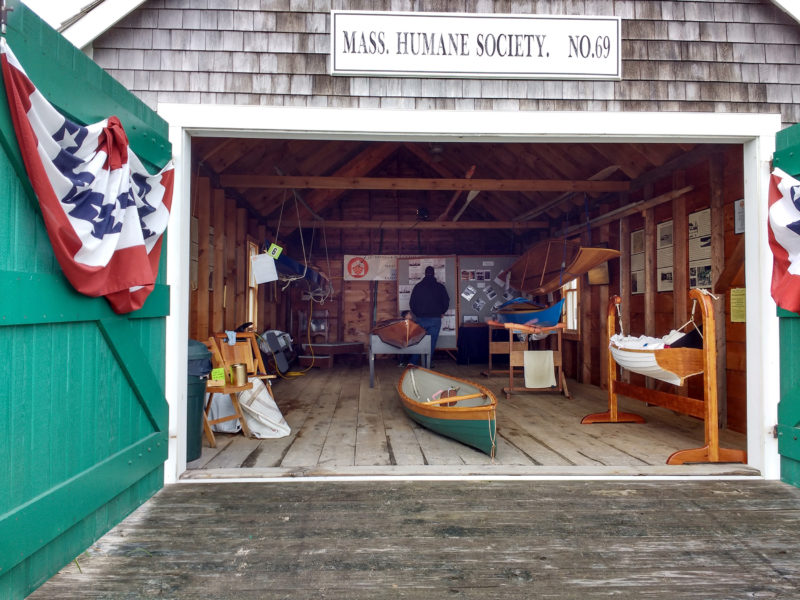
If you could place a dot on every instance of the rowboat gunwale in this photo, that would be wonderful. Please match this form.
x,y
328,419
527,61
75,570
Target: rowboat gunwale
x,y
475,426
452,413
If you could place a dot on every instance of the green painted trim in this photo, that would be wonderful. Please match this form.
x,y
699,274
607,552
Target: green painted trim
x,y
789,442
474,433
137,369
75,84
790,471
31,526
785,314
50,298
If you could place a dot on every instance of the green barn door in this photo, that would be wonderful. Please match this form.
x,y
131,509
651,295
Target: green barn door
x,y
787,157
83,417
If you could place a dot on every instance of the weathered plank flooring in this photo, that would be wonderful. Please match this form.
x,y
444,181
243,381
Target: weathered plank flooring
x,y
696,539
341,426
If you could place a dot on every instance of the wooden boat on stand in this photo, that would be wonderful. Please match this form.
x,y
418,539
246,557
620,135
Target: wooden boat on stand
x,y
450,406
400,333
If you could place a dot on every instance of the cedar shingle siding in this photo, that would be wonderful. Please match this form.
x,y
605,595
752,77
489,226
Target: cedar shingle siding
x,y
677,56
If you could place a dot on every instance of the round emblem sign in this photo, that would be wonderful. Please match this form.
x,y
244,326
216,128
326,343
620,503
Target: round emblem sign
x,y
357,267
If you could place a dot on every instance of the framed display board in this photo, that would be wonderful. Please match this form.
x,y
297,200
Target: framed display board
x,y
480,291
410,271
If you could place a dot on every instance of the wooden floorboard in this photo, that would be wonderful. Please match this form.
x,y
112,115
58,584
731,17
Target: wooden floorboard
x,y
340,425
704,540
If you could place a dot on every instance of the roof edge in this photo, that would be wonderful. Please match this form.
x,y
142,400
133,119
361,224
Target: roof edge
x,y
101,15
97,18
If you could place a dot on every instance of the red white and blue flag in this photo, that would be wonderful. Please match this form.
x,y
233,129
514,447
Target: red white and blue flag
x,y
105,214
784,239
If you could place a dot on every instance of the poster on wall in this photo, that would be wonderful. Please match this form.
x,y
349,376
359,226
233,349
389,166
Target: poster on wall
x,y
370,267
664,267
483,286
637,262
700,249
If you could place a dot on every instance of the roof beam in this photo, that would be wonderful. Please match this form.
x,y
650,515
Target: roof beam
x,y
412,183
406,225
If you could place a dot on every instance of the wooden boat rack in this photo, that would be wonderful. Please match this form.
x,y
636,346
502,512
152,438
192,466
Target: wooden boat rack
x,y
516,355
705,409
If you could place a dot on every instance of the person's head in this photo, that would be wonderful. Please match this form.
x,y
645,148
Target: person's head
x,y
429,272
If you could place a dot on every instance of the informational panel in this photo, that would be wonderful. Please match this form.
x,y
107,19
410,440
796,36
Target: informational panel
x,y
637,262
700,249
410,271
480,290
664,254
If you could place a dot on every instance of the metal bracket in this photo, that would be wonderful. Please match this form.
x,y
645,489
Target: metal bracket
x,y
4,10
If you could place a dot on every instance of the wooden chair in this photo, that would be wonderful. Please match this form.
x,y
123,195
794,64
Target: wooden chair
x,y
244,350
214,387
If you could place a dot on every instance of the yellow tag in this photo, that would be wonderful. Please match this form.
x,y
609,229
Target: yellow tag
x,y
218,374
274,251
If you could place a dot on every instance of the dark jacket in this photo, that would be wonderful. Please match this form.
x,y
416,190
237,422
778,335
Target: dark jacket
x,y
429,298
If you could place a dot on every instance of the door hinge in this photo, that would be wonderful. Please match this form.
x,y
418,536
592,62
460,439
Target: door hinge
x,y
775,431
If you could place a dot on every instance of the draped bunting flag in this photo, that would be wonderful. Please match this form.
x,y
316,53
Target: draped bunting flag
x,y
784,239
104,213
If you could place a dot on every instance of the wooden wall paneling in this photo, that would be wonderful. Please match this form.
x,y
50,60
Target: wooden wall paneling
x,y
229,288
241,267
625,280
602,308
588,331
650,274
263,289
357,314
218,277
680,261
203,212
717,184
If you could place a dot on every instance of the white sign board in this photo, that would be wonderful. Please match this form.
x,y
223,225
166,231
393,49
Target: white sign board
x,y
400,44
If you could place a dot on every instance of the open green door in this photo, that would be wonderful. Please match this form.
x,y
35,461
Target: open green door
x,y
787,157
83,417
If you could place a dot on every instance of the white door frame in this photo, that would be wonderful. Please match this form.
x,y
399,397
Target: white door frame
x,y
756,132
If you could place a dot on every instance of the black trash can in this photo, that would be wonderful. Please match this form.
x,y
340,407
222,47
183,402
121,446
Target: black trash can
x,y
198,369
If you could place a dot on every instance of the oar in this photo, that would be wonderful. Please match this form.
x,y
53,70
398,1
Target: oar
x,y
456,398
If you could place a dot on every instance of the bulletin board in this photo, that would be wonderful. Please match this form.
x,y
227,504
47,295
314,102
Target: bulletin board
x,y
479,290
411,270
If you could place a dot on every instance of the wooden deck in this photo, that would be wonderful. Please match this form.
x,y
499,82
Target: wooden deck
x,y
341,426
301,539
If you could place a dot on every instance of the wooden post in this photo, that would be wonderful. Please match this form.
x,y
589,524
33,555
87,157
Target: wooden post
x,y
218,277
680,260
717,184
203,212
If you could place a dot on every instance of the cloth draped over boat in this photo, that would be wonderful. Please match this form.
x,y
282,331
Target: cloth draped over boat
x,y
524,312
550,264
648,355
784,239
104,212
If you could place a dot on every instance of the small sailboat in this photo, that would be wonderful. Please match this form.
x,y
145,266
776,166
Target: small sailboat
x,y
451,406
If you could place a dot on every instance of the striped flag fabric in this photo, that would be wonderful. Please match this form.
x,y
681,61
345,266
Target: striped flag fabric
x,y
104,212
784,239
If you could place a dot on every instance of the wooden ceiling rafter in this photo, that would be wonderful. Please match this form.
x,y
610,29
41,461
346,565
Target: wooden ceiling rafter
x,y
348,182
490,208
420,225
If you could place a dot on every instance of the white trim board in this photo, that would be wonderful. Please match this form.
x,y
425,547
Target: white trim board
x,y
755,131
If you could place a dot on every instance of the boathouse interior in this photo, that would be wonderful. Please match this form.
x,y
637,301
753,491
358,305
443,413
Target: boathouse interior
x,y
323,200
